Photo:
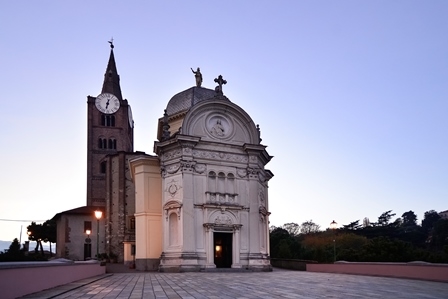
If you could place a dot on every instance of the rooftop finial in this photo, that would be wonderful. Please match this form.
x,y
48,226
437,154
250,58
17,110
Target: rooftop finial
x,y
111,42
220,82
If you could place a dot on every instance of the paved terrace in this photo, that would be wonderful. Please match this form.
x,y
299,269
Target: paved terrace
x,y
276,284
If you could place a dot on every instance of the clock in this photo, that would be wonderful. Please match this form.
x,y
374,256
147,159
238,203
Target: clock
x,y
131,121
107,103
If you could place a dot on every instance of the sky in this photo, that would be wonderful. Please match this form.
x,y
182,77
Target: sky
x,y
351,96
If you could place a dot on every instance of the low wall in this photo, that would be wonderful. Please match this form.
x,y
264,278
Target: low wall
x,y
413,270
290,264
22,278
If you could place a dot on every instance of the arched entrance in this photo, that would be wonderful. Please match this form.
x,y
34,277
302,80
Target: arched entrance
x,y
223,249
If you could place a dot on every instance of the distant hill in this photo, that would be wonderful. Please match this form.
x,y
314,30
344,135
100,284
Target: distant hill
x,y
4,245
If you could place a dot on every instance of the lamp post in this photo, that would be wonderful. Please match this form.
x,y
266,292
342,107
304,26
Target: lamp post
x,y
98,215
333,226
88,245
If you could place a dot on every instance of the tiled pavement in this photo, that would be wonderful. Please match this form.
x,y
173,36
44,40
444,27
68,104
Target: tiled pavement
x,y
276,284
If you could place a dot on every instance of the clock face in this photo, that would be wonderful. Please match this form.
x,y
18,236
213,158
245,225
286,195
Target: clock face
x,y
107,103
131,121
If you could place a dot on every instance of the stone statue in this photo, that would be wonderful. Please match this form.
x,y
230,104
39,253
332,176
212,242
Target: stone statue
x,y
198,77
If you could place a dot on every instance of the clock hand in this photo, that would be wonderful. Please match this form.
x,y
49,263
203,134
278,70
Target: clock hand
x,y
107,104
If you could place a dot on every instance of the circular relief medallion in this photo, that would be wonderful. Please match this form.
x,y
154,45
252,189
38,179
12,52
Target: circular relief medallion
x,y
172,189
218,126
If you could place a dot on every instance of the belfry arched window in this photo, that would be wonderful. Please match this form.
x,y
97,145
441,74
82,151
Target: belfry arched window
x,y
102,143
108,120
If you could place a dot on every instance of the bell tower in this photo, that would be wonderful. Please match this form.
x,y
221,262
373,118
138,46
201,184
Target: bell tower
x,y
110,129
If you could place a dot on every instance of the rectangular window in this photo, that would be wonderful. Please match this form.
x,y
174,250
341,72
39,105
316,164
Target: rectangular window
x,y
87,226
132,223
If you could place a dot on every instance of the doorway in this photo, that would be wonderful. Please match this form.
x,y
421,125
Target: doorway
x,y
223,249
87,251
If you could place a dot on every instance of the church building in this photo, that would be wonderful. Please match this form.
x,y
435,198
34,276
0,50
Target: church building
x,y
199,203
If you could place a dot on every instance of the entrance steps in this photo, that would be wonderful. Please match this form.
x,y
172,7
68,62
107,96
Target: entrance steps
x,y
225,270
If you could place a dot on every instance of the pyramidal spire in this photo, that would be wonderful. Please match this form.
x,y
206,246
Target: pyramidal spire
x,y
111,82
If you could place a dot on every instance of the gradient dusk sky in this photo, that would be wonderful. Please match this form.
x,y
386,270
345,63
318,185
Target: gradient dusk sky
x,y
351,96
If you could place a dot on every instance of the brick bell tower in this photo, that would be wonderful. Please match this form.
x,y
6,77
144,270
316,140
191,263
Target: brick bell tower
x,y
110,129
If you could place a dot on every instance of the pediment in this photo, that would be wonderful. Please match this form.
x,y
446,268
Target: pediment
x,y
220,121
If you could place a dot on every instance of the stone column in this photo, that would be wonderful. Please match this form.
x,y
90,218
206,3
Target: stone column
x,y
209,246
236,246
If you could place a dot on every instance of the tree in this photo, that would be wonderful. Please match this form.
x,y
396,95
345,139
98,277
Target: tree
x,y
352,225
35,233
14,253
282,244
430,218
365,222
384,218
308,227
440,233
409,219
49,232
45,232
292,228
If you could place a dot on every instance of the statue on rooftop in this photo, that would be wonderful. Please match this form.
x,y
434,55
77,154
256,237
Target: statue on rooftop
x,y
198,77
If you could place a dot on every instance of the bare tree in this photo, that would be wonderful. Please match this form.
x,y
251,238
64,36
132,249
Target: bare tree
x,y
308,227
365,222
292,228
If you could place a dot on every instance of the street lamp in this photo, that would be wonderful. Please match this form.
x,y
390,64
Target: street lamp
x,y
98,215
333,226
88,245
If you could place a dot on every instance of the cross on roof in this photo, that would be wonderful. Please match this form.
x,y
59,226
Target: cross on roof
x,y
220,82
111,42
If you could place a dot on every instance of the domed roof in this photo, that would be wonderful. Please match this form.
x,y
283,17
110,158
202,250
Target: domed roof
x,y
184,100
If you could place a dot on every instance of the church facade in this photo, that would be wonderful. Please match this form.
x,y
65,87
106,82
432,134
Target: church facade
x,y
200,202
211,187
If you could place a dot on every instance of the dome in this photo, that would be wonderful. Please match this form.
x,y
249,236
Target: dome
x,y
184,100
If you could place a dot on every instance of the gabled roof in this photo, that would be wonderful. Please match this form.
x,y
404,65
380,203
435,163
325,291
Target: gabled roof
x,y
86,210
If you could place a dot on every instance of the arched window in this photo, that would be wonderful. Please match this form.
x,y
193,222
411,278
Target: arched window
x,y
221,183
221,188
102,143
230,183
211,181
103,167
112,144
108,120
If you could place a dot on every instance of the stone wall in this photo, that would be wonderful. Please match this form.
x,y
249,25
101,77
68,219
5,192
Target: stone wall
x,y
292,264
413,270
21,278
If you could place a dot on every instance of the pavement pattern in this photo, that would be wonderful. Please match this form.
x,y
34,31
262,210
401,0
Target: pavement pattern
x,y
277,284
